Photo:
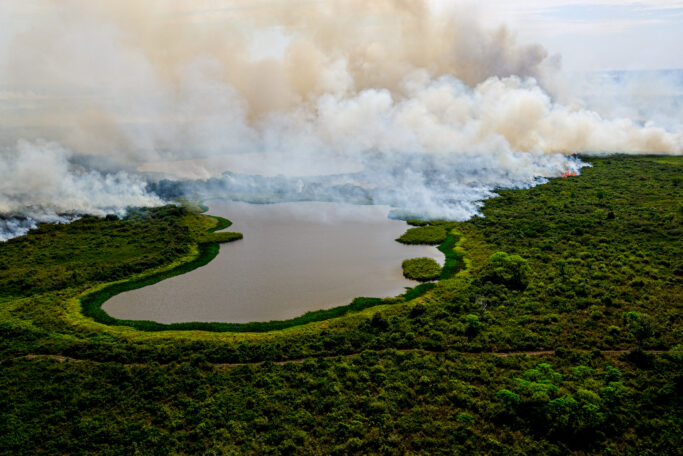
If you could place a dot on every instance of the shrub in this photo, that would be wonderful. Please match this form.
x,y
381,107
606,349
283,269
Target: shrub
x,y
473,325
417,310
508,398
465,418
509,270
639,326
379,322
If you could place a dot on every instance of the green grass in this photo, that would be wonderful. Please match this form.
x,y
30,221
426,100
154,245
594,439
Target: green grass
x,y
454,261
421,269
219,238
221,223
430,235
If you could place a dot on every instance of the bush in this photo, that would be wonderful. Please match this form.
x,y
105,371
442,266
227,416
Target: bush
x,y
639,326
509,270
465,418
508,398
473,325
421,269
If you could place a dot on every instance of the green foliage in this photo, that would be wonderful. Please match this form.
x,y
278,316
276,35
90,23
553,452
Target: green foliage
x,y
430,235
567,409
421,269
473,325
509,270
465,418
508,398
394,376
388,402
453,259
639,326
92,250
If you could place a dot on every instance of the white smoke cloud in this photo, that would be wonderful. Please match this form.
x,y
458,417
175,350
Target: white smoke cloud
x,y
373,82
654,97
39,184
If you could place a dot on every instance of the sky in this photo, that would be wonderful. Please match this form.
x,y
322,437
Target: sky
x,y
595,35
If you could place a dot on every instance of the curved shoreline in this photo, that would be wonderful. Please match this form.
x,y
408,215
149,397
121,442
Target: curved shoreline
x,y
91,303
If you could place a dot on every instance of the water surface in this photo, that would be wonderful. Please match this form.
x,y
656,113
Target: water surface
x,y
294,258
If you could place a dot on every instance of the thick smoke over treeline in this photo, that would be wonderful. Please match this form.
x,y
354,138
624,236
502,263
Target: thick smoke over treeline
x,y
39,183
436,109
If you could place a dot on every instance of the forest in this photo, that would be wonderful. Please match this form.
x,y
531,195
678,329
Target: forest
x,y
554,328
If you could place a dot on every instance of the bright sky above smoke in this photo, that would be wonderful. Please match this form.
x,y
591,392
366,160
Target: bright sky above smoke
x,y
596,35
591,35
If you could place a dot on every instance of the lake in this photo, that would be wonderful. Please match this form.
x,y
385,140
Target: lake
x,y
294,258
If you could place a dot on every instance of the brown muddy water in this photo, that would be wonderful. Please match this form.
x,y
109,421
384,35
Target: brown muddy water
x,y
294,258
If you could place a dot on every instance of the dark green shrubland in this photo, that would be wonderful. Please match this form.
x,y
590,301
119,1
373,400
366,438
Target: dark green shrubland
x,y
589,283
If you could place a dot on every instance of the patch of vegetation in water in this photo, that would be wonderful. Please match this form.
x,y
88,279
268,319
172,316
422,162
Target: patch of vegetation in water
x,y
429,235
421,269
574,372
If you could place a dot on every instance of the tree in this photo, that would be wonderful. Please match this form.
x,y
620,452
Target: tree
x,y
639,326
473,325
509,270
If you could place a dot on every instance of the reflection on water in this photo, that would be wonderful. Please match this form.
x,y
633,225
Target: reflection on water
x,y
295,257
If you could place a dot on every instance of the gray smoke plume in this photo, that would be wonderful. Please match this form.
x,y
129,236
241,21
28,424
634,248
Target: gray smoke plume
x,y
433,111
14,227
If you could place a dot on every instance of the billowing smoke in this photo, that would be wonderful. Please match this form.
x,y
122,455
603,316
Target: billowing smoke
x,y
434,109
38,183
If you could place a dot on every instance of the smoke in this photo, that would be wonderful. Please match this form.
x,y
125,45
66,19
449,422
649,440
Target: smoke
x,y
38,183
654,97
14,227
436,109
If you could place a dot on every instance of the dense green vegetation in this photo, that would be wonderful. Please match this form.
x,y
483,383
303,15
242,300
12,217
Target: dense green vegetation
x,y
421,269
537,339
510,270
55,257
431,235
377,402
